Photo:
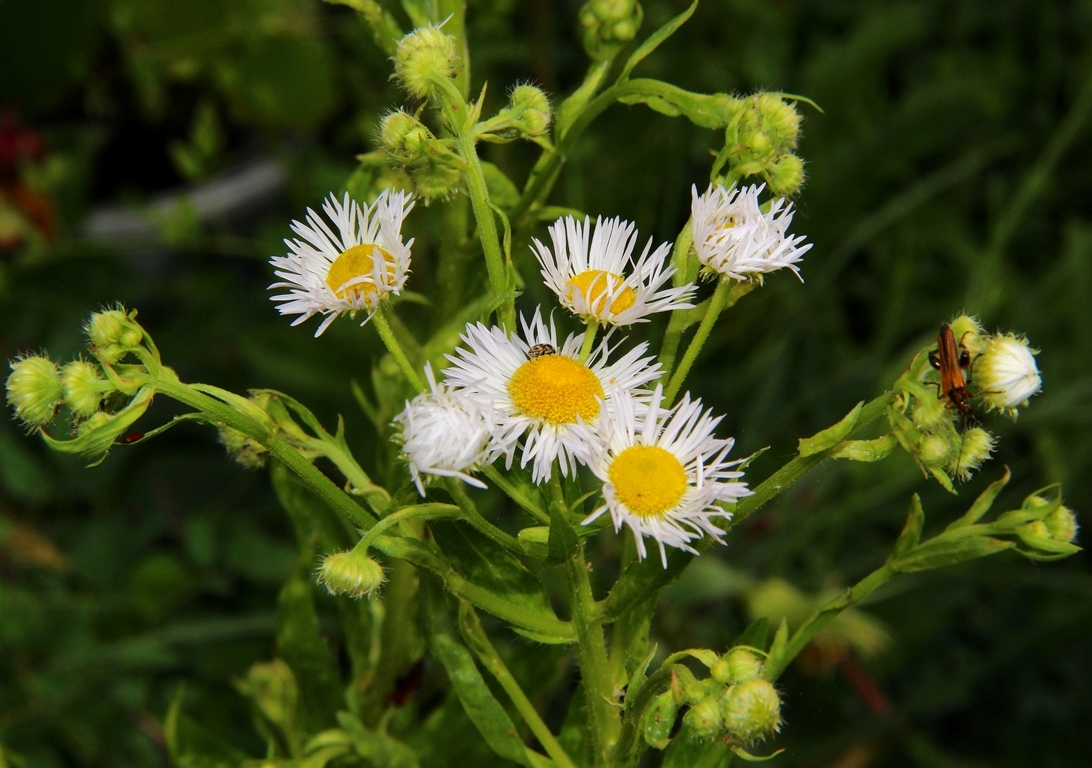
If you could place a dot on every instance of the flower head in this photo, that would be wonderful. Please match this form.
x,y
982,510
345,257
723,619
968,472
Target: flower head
x,y
734,238
351,573
1005,373
662,471
539,390
347,265
444,433
589,277
34,389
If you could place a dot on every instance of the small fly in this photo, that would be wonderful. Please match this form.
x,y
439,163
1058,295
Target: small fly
x,y
541,350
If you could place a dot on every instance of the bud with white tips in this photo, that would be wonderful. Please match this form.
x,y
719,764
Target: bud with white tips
x,y
352,574
34,389
752,710
424,58
1005,373
84,388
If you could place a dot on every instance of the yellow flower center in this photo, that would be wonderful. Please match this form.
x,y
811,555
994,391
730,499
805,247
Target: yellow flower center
x,y
647,479
594,282
727,222
354,262
556,389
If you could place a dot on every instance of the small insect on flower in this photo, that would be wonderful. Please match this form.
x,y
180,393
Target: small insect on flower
x,y
541,350
953,360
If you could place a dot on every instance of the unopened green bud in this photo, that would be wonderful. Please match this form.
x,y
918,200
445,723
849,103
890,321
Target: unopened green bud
x,y
704,719
974,449
84,387
245,450
659,720
785,175
436,181
34,389
96,421
752,710
405,137
779,118
969,334
112,333
423,58
273,689
935,449
352,573
737,666
531,110
932,414
609,25
1062,524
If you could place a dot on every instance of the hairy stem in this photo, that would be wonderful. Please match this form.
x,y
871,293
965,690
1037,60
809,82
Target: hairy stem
x,y
383,326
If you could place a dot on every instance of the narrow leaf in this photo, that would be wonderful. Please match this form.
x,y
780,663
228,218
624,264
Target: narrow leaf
x,y
983,503
756,635
911,531
831,436
655,39
305,650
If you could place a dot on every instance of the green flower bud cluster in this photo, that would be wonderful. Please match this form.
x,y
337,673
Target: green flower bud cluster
x,y
92,393
735,703
351,573
759,141
430,162
609,25
1051,532
425,58
527,116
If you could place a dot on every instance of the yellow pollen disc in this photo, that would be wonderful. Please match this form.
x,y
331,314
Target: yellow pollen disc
x,y
728,223
648,480
593,282
358,261
556,389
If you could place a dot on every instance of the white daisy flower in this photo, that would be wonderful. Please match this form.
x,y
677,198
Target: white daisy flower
x,y
539,390
662,470
347,267
590,279
733,237
1005,373
444,433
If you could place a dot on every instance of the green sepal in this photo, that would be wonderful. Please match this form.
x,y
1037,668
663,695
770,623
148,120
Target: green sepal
x,y
982,504
743,754
831,436
379,749
911,531
704,655
865,450
941,552
477,699
656,39
1044,544
942,477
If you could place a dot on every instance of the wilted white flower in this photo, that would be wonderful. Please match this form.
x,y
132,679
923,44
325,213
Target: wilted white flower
x,y
733,237
539,389
348,264
599,280
662,470
444,433
1005,374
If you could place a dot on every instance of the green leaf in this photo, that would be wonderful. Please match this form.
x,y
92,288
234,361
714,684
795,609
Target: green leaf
x,y
756,635
303,647
502,192
911,531
535,541
831,436
379,749
743,754
1046,544
689,751
778,646
563,540
655,39
190,745
478,701
312,518
642,580
865,450
942,551
711,111
983,503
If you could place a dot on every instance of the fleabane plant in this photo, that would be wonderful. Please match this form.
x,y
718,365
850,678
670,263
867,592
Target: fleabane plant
x,y
504,482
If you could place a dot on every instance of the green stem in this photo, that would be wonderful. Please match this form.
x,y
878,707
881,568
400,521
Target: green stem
x,y
591,646
589,340
219,413
416,512
478,641
385,333
487,225
474,517
725,296
801,465
823,616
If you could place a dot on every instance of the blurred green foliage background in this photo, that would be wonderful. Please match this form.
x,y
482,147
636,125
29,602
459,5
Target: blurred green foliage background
x,y
948,171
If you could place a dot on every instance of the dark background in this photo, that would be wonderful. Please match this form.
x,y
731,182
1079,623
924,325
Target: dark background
x,y
948,171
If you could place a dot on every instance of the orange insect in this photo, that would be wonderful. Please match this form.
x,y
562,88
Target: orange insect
x,y
954,363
